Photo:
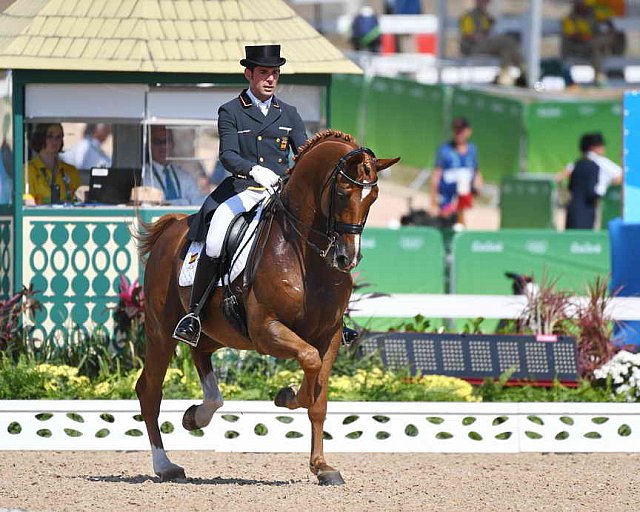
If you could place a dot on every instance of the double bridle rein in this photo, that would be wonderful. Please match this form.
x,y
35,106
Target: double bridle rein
x,y
334,228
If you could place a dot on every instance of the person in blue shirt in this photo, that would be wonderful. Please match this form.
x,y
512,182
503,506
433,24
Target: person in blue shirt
x,y
456,176
365,32
179,186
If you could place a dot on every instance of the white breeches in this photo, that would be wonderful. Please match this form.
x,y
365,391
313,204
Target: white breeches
x,y
225,213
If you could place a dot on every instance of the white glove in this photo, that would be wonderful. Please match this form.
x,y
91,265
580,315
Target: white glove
x,y
264,176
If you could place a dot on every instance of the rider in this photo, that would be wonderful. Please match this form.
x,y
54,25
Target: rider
x,y
256,132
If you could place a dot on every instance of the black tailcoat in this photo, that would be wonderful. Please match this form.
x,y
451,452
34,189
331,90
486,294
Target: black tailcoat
x,y
581,210
248,138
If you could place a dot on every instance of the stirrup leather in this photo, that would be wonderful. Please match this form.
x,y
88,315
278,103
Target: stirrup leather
x,y
177,336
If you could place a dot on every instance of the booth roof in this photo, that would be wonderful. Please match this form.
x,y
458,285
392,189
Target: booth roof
x,y
188,36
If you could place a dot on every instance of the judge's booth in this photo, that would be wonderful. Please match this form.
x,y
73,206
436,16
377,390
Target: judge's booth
x,y
120,137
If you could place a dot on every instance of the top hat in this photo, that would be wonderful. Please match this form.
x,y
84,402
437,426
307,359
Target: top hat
x,y
267,55
591,140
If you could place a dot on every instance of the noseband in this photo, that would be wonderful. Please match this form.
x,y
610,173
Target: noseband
x,y
334,228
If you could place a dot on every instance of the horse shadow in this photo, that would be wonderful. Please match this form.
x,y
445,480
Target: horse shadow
x,y
140,479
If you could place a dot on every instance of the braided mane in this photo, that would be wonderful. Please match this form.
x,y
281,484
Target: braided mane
x,y
319,137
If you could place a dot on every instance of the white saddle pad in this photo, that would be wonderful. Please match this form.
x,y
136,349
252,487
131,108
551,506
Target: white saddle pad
x,y
188,271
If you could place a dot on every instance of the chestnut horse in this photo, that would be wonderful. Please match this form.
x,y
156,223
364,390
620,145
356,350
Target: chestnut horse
x,y
295,302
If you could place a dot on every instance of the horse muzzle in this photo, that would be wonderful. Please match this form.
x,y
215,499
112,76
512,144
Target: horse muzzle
x,y
346,256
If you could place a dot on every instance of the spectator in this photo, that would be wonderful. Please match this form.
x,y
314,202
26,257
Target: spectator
x,y
365,32
583,186
588,32
51,180
179,186
403,6
476,39
456,176
88,152
608,171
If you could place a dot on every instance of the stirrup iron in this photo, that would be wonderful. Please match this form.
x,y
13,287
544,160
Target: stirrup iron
x,y
177,336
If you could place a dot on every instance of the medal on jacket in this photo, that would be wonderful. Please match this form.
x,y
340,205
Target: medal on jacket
x,y
283,142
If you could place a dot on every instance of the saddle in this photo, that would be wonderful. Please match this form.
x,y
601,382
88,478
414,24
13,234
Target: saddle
x,y
232,304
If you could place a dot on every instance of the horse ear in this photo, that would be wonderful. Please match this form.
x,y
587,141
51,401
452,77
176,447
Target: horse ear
x,y
383,163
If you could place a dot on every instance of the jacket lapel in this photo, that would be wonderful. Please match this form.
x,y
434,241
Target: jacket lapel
x,y
249,108
272,116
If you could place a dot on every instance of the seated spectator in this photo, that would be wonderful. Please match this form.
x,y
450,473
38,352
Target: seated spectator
x,y
179,186
476,39
88,152
588,32
365,32
51,180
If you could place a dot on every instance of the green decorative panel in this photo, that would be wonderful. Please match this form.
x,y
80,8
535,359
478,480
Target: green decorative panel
x,y
75,263
572,257
405,260
518,193
6,256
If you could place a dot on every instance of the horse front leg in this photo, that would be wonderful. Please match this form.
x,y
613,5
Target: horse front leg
x,y
149,391
326,474
276,339
199,416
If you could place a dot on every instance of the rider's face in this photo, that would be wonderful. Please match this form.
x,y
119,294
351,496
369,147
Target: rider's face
x,y
262,81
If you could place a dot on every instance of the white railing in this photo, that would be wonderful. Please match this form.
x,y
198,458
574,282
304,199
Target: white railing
x,y
469,306
350,427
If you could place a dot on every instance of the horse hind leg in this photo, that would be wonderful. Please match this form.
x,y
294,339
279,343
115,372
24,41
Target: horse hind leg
x,y
199,416
149,391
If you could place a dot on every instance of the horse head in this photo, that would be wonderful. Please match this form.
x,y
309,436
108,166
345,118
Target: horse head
x,y
351,190
346,176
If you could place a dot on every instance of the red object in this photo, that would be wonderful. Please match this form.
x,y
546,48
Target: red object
x,y
426,43
387,44
465,201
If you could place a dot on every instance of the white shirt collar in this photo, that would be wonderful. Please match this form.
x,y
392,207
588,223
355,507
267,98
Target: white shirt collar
x,y
262,105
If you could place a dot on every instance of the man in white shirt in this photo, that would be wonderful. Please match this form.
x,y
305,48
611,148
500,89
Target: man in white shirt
x,y
88,152
180,187
609,172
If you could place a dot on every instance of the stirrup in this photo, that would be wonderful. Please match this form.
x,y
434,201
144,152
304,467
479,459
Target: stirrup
x,y
184,339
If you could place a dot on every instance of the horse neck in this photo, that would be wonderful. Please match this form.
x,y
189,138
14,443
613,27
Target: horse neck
x,y
304,189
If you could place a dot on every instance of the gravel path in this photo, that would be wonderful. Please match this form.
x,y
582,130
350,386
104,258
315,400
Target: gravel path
x,y
119,481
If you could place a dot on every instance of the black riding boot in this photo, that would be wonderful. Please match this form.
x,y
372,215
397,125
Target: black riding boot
x,y
188,328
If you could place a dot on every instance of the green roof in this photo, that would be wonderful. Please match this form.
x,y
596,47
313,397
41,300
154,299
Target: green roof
x,y
189,36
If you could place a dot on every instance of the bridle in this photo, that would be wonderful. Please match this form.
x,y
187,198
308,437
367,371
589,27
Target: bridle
x,y
334,228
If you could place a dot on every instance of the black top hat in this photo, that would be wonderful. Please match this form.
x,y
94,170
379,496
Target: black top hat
x,y
267,55
591,140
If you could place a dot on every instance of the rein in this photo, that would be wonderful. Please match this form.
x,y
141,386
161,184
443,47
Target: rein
x,y
334,228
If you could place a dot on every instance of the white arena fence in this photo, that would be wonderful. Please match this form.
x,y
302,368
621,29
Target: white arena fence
x,y
469,306
245,426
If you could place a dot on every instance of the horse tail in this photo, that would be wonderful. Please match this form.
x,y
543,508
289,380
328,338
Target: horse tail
x,y
148,232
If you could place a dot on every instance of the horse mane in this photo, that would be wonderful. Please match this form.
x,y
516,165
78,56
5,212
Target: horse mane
x,y
148,233
320,137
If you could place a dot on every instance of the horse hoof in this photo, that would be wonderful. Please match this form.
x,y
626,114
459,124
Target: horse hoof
x,y
330,478
189,419
174,473
284,397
